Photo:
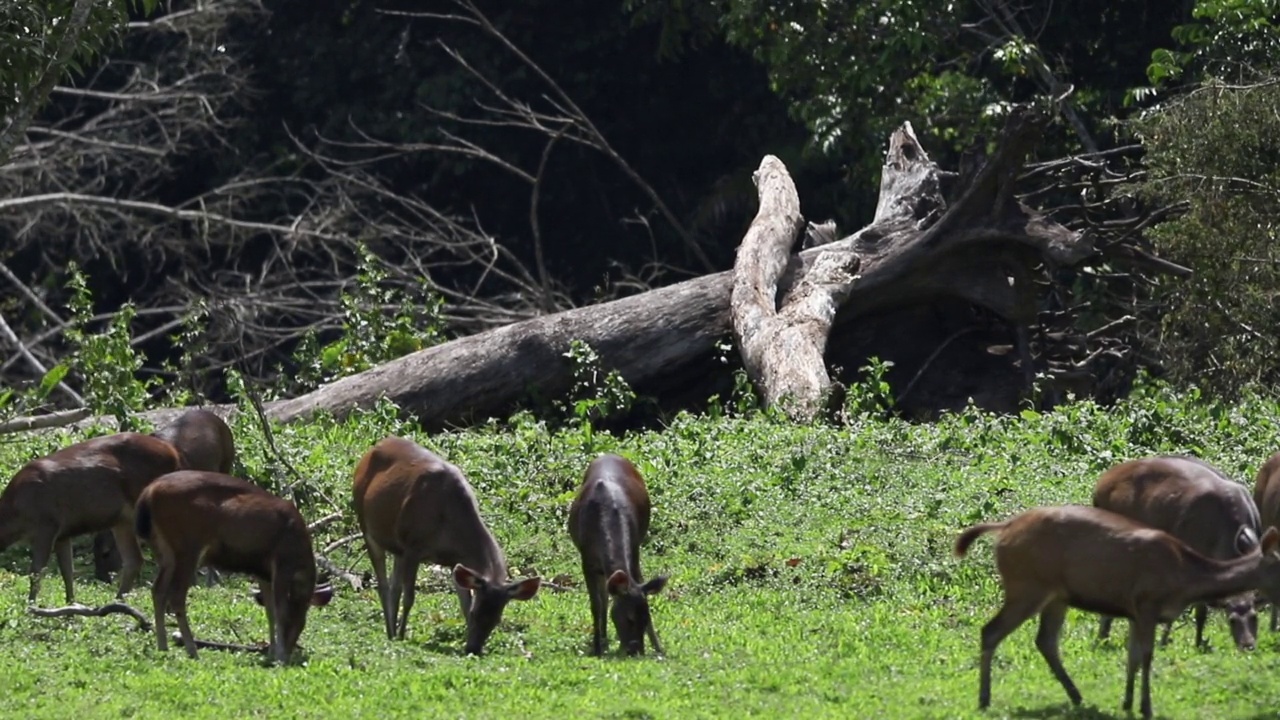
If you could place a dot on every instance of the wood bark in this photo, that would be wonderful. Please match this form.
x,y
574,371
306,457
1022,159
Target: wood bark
x,y
782,348
942,290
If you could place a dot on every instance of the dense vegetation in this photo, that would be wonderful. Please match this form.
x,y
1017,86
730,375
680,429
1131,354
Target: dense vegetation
x,y
811,574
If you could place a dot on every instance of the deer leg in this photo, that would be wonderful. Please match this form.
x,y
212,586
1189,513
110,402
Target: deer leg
x,y
599,598
62,550
406,576
653,638
183,572
1051,619
1202,614
41,548
1275,617
269,605
1009,618
378,558
1142,636
1104,627
130,557
160,603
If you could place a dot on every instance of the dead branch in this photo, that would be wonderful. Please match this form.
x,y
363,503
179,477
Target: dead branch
x,y
324,522
115,608
327,565
7,333
259,649
40,422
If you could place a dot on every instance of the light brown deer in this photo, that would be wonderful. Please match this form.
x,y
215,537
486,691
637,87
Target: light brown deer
x,y
419,508
1053,558
608,520
1266,495
1196,503
194,517
84,488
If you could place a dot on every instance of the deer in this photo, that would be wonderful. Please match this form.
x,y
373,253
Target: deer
x,y
1198,504
1266,495
194,517
204,440
88,487
1057,557
608,520
420,508
205,443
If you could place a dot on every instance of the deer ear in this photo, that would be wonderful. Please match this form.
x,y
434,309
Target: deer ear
x,y
525,589
618,582
322,595
467,578
1269,539
654,586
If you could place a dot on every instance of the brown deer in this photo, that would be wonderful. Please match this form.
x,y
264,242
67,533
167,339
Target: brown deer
x,y
195,517
1266,495
1196,503
1053,558
608,520
205,442
84,488
420,508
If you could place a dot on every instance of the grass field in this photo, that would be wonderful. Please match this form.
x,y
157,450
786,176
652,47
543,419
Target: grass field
x,y
811,576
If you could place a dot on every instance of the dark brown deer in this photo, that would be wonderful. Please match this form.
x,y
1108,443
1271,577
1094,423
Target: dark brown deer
x,y
419,508
193,517
84,488
1266,495
205,442
1054,558
608,520
1196,503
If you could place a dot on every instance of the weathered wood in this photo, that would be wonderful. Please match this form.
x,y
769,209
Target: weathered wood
x,y
782,350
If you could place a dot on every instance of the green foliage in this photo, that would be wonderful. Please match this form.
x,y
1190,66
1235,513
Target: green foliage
x,y
596,394
811,575
31,33
193,339
1235,39
872,396
105,361
1217,149
380,322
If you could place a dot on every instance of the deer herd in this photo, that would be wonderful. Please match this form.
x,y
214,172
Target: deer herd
x,y
1163,534
173,490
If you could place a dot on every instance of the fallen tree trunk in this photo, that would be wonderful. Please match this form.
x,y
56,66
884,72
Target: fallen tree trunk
x,y
941,293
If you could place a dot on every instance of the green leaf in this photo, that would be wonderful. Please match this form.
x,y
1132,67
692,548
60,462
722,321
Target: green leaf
x,y
52,378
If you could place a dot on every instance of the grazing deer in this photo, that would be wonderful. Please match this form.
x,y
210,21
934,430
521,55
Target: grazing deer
x,y
204,440
608,520
195,517
419,508
205,443
1266,495
84,488
1193,501
1053,558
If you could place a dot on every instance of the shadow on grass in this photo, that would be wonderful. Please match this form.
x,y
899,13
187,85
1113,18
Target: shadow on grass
x,y
1066,710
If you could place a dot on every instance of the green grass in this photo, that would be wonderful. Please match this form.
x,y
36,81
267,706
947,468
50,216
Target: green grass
x,y
811,576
